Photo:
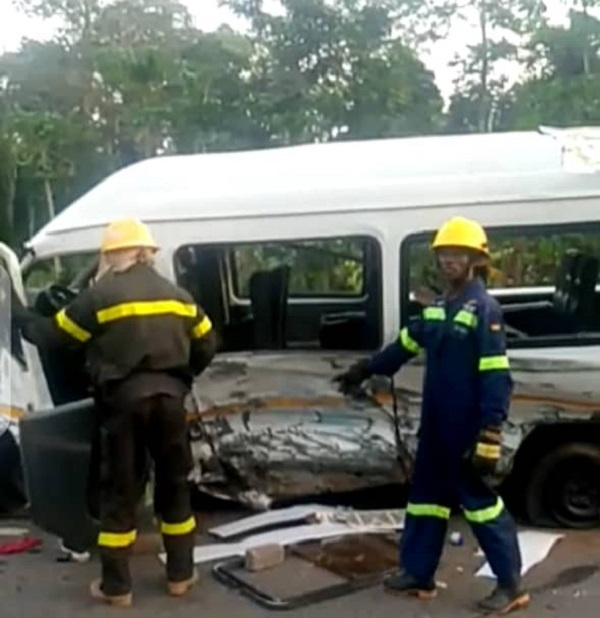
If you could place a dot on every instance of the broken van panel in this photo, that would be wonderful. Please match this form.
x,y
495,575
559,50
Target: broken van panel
x,y
272,426
60,471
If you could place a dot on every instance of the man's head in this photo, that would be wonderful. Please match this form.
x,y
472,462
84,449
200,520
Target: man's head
x,y
127,242
460,246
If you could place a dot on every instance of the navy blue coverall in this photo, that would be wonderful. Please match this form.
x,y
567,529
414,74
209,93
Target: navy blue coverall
x,y
467,387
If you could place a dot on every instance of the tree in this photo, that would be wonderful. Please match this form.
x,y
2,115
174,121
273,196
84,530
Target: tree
x,y
330,70
503,27
562,86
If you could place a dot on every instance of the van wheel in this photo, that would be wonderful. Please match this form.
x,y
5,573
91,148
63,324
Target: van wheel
x,y
564,487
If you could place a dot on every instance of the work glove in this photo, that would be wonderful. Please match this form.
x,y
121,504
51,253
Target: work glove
x,y
350,380
486,453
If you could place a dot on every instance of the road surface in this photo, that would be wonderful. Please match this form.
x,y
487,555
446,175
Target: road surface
x,y
567,583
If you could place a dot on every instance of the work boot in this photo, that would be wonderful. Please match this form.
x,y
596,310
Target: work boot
x,y
121,600
404,583
504,599
178,589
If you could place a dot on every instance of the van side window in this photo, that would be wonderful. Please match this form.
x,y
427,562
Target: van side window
x,y
65,270
300,294
10,338
547,279
318,268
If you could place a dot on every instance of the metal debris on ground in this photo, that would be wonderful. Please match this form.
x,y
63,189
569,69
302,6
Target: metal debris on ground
x,y
314,572
268,519
334,524
361,519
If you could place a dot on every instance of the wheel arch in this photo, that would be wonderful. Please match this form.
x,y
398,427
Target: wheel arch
x,y
543,439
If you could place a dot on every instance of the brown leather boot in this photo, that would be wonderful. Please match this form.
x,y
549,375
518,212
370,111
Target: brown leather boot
x,y
179,589
121,600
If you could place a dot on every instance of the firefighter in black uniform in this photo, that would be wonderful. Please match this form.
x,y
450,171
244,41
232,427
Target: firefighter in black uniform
x,y
145,339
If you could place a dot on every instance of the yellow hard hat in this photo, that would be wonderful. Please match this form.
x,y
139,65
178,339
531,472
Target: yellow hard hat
x,y
127,234
462,232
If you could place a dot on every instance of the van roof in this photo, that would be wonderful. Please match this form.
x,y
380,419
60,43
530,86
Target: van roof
x,y
353,175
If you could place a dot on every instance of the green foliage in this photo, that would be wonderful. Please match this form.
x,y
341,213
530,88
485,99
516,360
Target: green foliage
x,y
128,79
516,260
327,267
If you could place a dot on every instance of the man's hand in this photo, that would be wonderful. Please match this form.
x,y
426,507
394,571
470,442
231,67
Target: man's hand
x,y
351,380
487,450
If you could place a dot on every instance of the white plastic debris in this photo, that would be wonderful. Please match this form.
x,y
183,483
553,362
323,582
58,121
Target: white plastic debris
x,y
270,518
535,547
70,555
358,523
13,531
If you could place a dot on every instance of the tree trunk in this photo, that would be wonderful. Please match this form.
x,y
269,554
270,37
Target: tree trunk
x,y
483,75
8,181
51,214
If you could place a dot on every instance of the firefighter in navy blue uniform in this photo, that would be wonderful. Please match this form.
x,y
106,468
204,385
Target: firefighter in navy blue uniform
x,y
145,339
466,396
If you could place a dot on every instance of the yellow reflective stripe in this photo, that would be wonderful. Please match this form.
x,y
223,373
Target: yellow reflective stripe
x,y
492,451
491,363
466,317
202,328
14,414
428,510
144,308
65,323
178,529
117,539
482,516
434,313
408,342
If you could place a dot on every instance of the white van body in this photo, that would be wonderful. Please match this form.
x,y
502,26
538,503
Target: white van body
x,y
390,191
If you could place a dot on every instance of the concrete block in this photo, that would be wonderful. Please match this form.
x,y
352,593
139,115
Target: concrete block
x,y
264,557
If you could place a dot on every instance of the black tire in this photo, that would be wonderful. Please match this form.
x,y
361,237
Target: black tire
x,y
564,487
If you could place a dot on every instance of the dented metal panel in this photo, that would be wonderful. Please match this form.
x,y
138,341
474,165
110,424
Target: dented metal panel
x,y
273,426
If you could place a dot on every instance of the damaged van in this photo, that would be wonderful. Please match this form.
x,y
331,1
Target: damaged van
x,y
307,258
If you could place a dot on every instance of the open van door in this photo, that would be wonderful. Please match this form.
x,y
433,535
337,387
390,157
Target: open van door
x,y
56,443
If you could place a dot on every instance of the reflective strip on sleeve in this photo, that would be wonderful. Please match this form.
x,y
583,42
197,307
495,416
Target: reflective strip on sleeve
x,y
66,324
202,328
189,525
428,510
466,318
116,540
434,313
483,516
146,308
492,363
407,342
492,451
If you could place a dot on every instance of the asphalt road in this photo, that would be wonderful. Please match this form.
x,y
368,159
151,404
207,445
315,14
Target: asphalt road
x,y
567,583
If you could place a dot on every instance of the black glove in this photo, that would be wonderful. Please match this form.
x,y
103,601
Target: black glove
x,y
351,379
486,453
